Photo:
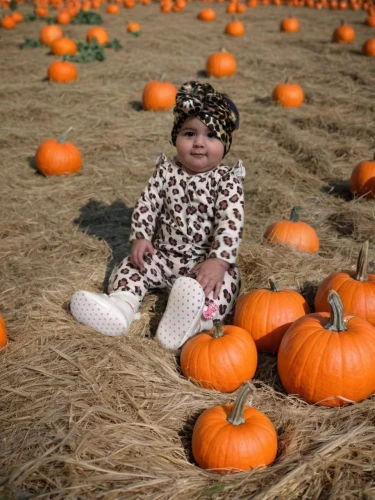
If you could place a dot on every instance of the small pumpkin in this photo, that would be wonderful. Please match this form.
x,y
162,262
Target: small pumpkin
x,y
289,25
234,437
134,28
3,333
63,17
158,96
49,33
362,179
207,15
235,28
240,8
288,95
62,72
356,289
221,359
62,46
328,358
370,20
112,8
7,22
368,48
343,34
17,16
99,34
268,313
58,157
221,64
294,233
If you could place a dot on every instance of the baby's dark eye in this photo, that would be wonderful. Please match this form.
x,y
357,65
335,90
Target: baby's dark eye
x,y
188,133
211,135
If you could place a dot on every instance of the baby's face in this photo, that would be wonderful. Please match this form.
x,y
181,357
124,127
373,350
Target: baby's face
x,y
198,148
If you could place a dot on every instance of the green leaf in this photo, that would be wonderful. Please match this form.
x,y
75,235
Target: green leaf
x,y
29,18
87,17
113,44
29,42
13,5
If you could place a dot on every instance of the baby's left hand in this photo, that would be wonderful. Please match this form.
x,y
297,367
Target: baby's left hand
x,y
210,275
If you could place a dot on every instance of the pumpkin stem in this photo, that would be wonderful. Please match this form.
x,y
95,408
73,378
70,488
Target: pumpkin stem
x,y
65,135
273,285
361,271
218,330
294,214
336,321
236,415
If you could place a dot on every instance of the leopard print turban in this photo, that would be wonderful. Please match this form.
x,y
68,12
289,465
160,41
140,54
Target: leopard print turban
x,y
215,110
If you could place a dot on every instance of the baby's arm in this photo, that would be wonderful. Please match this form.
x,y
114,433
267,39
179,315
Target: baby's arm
x,y
210,275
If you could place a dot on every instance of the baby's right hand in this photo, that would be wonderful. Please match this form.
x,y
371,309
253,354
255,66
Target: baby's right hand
x,y
139,248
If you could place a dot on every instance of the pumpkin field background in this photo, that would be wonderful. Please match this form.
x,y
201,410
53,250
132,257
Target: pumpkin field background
x,y
92,417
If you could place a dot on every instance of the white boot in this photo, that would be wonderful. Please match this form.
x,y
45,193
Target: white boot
x,y
182,317
107,314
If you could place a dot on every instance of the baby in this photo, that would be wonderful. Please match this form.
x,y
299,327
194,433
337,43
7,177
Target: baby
x,y
186,229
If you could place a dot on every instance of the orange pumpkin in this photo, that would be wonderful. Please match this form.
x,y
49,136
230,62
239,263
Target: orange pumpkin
x,y
112,8
233,438
362,179
370,20
368,48
235,28
99,33
62,72
356,289
328,358
49,33
267,314
221,359
7,22
62,46
3,333
221,64
17,17
134,28
294,233
158,96
288,95
63,17
289,25
58,157
207,15
343,34
240,8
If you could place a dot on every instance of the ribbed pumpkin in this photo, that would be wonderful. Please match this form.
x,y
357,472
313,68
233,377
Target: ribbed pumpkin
x,y
62,72
288,95
62,46
49,33
368,48
99,33
58,157
362,179
234,438
221,359
221,64
267,314
329,358
294,233
356,289
3,333
158,96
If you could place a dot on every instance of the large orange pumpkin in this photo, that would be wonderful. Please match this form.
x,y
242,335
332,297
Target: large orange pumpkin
x,y
233,438
49,33
3,333
99,33
267,314
288,95
62,72
362,179
62,46
58,157
221,64
356,289
343,34
329,358
158,96
221,359
294,233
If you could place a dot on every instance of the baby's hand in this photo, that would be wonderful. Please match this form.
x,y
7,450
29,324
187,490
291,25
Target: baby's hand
x,y
210,275
139,248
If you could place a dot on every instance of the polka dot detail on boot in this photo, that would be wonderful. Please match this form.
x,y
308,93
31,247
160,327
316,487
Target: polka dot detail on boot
x,y
97,311
182,316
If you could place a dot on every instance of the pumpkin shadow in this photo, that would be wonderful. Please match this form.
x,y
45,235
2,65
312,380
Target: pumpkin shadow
x,y
267,100
185,435
32,164
110,223
136,105
339,189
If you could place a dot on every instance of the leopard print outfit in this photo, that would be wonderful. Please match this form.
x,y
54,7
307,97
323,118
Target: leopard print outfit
x,y
188,218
